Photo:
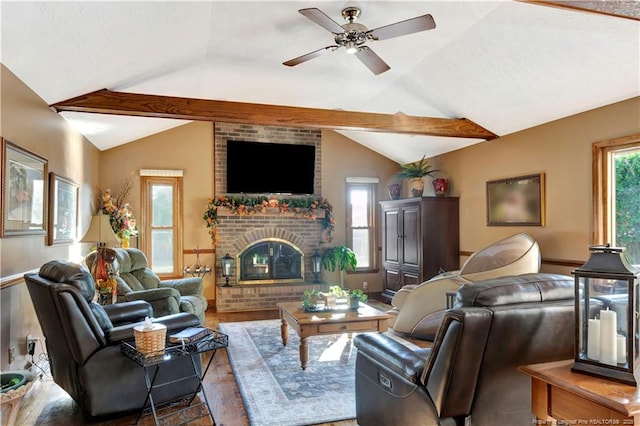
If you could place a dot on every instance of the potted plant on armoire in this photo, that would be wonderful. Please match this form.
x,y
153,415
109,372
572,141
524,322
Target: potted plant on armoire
x,y
415,172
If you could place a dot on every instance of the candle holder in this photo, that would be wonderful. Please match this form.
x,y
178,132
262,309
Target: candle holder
x,y
226,264
606,316
197,270
316,265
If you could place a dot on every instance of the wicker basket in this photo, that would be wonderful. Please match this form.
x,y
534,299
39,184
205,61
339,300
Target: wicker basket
x,y
149,341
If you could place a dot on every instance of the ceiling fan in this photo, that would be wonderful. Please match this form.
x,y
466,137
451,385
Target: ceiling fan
x,y
353,36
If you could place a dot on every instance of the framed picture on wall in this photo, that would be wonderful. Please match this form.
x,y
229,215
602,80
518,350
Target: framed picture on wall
x,y
63,210
24,176
517,201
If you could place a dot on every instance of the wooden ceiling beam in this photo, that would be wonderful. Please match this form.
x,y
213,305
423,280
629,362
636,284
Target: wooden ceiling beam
x,y
140,105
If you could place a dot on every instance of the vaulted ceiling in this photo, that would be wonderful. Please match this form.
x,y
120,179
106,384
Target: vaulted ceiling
x,y
504,65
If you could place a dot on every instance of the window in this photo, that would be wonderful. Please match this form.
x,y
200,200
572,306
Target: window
x,y
616,194
162,224
361,230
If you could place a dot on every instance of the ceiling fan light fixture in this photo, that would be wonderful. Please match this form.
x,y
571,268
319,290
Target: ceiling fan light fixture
x,y
353,36
352,48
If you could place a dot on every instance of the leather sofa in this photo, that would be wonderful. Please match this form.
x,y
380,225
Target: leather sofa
x,y
418,309
83,343
469,376
137,282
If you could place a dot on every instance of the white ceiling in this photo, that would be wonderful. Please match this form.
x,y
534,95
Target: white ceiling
x,y
505,65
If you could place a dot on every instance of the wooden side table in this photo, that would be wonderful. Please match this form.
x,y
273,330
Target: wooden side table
x,y
562,396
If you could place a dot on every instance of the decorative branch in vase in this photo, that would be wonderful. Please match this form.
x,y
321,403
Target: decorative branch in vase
x,y
120,213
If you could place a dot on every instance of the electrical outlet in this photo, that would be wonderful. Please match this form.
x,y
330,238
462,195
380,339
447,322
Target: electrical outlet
x,y
31,345
365,285
12,354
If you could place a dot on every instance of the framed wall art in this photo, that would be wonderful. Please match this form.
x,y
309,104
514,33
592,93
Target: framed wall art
x,y
63,210
517,201
24,176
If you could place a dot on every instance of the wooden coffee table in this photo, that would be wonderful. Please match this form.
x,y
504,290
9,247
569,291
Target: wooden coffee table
x,y
338,321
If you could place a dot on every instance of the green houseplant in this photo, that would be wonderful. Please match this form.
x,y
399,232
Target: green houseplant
x,y
341,258
309,299
415,172
355,297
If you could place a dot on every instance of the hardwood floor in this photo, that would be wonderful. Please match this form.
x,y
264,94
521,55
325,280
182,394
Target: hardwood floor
x,y
48,404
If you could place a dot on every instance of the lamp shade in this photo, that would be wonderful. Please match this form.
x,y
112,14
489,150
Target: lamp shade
x,y
100,231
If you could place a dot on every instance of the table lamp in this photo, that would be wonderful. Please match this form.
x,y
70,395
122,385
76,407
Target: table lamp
x,y
101,233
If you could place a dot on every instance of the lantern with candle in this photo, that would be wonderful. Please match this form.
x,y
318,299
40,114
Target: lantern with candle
x,y
606,316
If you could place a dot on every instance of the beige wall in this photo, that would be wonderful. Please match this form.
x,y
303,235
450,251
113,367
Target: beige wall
x,y
27,121
562,151
188,148
342,157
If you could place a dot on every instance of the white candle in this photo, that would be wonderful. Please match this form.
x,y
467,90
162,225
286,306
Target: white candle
x,y
608,345
622,349
593,339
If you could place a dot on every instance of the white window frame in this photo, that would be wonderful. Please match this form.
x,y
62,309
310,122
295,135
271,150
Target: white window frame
x,y
147,181
371,186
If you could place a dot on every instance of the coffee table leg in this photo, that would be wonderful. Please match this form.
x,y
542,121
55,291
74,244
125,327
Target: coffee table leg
x,y
284,331
304,352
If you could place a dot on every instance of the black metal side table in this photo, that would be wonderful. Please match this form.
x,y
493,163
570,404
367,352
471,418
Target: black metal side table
x,y
212,342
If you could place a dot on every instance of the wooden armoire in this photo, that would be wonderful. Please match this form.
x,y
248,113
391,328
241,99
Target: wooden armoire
x,y
420,239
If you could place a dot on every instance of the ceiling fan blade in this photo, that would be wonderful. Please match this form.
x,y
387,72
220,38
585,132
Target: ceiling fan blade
x,y
413,25
372,61
320,18
304,58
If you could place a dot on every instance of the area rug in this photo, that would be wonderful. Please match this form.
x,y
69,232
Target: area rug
x,y
275,390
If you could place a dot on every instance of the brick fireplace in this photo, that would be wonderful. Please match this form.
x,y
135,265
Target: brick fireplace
x,y
237,233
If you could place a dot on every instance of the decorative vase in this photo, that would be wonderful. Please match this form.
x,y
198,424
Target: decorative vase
x,y
417,186
440,186
395,190
124,242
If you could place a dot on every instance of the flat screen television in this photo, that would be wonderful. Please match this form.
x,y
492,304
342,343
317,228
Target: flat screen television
x,y
273,168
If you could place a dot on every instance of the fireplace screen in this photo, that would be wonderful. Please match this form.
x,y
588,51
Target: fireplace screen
x,y
270,261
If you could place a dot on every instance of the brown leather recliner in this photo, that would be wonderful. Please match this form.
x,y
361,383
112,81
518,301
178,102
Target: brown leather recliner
x,y
469,376
83,343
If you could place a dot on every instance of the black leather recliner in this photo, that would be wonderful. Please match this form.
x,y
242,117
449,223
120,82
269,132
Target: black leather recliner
x,y
469,376
83,343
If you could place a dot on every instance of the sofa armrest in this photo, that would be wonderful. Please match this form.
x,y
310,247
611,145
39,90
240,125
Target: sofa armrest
x,y
186,286
128,312
398,358
174,323
424,299
153,294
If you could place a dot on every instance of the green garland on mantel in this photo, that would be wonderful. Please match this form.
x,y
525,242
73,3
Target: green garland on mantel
x,y
244,205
